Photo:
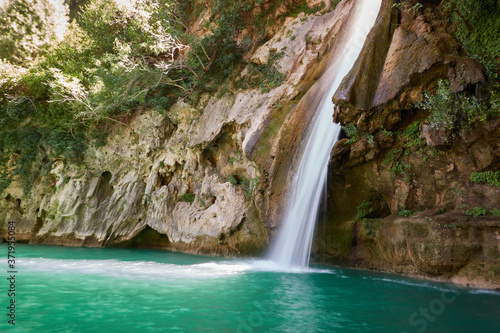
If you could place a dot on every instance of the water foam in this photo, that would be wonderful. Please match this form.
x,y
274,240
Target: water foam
x,y
156,270
134,269
408,283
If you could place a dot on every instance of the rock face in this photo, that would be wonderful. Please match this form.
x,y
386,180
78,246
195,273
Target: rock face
x,y
401,191
203,181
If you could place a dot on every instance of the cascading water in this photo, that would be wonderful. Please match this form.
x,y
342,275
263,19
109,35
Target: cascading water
x,y
293,245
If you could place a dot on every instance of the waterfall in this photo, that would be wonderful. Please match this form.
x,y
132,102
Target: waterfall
x,y
293,244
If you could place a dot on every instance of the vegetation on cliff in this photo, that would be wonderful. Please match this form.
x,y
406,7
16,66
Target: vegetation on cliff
x,y
63,83
477,28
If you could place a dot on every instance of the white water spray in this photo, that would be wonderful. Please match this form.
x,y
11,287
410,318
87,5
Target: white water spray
x,y
293,245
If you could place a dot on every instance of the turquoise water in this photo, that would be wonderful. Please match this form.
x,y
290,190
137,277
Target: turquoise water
x,y
61,289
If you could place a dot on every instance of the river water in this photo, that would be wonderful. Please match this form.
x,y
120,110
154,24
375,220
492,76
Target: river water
x,y
61,289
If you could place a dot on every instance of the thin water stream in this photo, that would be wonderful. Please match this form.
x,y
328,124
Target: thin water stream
x,y
293,244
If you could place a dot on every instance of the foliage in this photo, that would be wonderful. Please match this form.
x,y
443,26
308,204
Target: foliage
x,y
27,27
477,211
187,197
231,179
415,10
369,138
495,212
488,177
370,226
412,136
454,112
63,84
116,57
301,6
401,168
412,132
406,213
273,15
397,167
364,209
391,156
265,76
248,185
478,29
352,132
386,133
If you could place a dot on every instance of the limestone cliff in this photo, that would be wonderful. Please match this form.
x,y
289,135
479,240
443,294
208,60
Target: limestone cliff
x,y
206,180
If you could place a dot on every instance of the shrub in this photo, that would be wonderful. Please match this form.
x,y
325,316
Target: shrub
x,y
28,27
453,112
115,59
266,76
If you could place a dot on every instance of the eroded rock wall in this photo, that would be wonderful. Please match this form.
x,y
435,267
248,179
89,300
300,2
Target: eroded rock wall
x,y
207,180
399,193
